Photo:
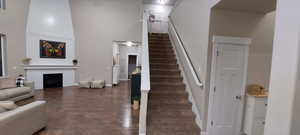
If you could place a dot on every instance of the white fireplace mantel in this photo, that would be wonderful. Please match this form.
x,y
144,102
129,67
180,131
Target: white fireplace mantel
x,y
35,73
49,67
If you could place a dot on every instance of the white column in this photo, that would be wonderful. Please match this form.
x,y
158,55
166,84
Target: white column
x,y
143,113
284,70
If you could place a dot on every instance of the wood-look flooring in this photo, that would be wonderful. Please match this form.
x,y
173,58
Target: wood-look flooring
x,y
75,111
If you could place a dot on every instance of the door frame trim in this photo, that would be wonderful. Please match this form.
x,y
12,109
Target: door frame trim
x,y
127,61
216,42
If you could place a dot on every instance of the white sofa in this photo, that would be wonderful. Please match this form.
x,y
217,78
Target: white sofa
x,y
17,93
25,120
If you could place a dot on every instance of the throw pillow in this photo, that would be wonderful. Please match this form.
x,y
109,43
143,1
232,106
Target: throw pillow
x,y
7,83
2,110
8,105
20,81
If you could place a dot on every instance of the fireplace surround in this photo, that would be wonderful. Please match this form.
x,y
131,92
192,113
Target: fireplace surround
x,y
36,73
53,80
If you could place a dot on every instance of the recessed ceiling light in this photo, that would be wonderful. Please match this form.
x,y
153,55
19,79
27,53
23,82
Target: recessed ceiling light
x,y
50,20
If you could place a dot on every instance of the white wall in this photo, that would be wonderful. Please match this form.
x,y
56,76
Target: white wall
x,y
13,24
295,130
97,23
258,27
259,68
191,18
260,59
161,13
50,20
281,116
189,25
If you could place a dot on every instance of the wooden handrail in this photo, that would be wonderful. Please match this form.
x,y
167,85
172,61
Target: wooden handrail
x,y
186,55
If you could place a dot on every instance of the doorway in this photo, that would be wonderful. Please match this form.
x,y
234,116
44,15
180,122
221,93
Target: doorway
x,y
132,64
126,57
228,81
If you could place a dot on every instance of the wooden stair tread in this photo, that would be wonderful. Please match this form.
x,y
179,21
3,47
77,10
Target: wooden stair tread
x,y
169,110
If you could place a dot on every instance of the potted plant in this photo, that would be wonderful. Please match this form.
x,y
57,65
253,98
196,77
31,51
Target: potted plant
x,y
136,102
75,61
26,61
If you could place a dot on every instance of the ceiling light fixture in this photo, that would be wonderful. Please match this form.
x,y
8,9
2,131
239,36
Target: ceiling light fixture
x,y
163,2
129,43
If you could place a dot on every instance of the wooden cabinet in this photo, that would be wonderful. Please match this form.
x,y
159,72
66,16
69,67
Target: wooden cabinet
x,y
135,87
255,115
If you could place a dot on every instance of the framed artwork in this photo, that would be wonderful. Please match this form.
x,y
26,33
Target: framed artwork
x,y
52,49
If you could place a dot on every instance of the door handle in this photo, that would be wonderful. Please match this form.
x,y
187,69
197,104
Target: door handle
x,y
238,97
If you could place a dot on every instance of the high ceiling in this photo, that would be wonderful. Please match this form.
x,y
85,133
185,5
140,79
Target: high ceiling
x,y
260,6
167,2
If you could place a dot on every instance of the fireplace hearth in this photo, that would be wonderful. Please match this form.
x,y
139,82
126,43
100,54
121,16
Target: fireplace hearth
x,y
53,80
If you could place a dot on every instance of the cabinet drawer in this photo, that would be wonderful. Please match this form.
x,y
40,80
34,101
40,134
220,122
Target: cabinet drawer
x,y
260,108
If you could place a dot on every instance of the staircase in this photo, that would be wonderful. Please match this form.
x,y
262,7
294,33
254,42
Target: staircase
x,y
169,111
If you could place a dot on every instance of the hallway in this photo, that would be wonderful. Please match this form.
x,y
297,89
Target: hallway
x,y
75,111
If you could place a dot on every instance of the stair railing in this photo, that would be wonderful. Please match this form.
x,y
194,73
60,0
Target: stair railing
x,y
185,53
145,78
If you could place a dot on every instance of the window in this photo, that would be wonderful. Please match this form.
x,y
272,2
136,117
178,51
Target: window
x,y
2,4
2,55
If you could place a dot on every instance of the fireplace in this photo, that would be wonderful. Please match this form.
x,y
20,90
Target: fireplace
x,y
53,80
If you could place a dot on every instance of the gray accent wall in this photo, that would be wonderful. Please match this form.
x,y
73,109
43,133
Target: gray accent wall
x,y
13,24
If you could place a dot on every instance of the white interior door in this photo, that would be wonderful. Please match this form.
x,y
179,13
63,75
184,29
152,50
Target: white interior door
x,y
228,88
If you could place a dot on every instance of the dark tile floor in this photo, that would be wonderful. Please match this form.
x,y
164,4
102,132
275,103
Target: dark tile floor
x,y
75,111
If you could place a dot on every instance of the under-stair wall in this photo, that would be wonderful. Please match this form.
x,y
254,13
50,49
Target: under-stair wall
x,y
191,19
196,93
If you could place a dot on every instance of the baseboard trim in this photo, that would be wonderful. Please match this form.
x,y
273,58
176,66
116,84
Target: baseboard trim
x,y
192,100
73,84
203,133
188,89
